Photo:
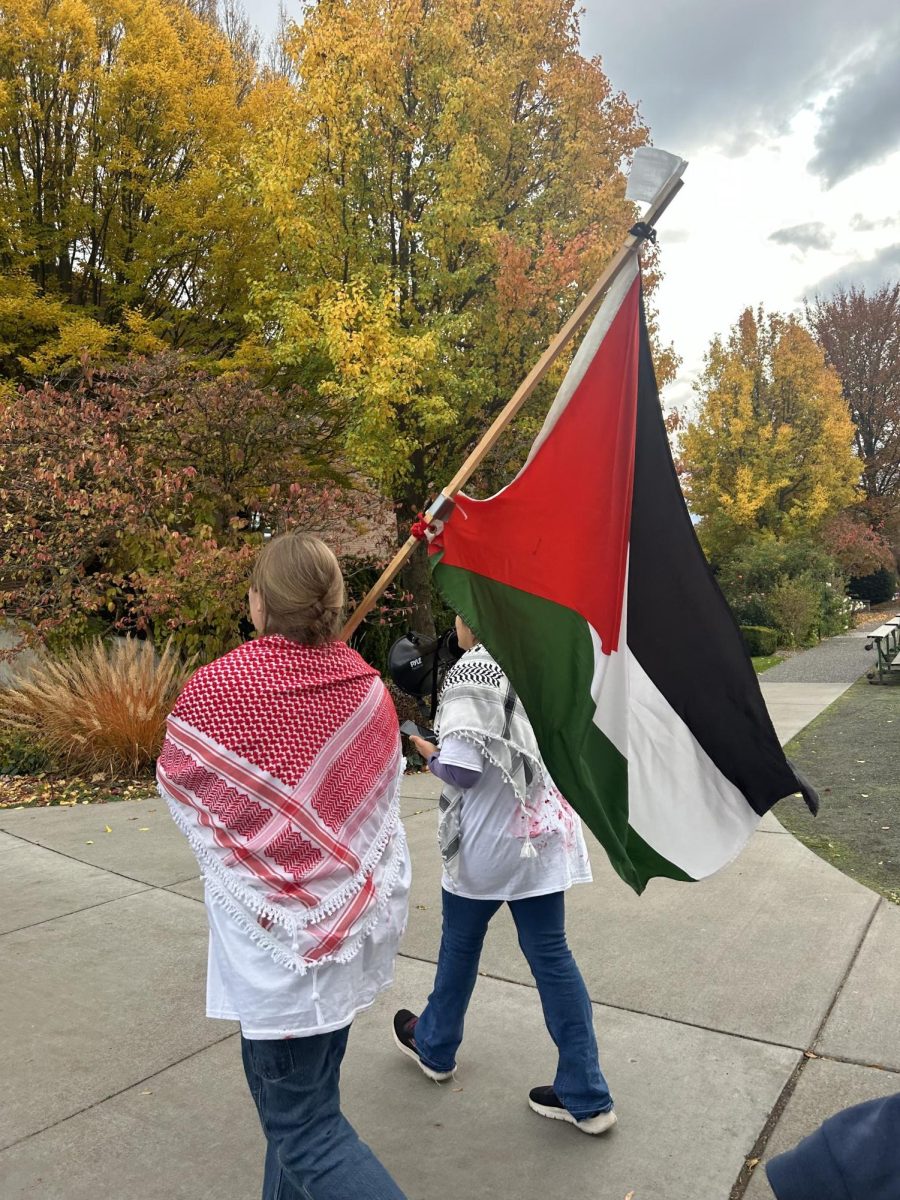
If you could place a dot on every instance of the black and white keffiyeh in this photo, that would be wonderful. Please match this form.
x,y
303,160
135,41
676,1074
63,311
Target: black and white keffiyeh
x,y
479,704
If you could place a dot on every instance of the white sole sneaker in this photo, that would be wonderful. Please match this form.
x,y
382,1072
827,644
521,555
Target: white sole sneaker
x,y
437,1076
594,1125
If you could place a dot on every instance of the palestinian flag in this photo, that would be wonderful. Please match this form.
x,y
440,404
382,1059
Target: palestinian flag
x,y
585,580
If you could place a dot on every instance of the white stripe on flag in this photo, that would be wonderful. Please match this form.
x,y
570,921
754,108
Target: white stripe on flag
x,y
679,801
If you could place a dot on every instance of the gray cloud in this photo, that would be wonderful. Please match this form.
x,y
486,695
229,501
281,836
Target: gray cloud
x,y
707,72
811,236
681,392
861,123
674,237
867,224
868,273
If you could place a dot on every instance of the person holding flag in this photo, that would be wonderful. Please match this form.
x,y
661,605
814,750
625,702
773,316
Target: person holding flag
x,y
585,577
506,836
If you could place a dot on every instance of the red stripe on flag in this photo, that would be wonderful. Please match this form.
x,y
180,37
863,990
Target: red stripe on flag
x,y
560,530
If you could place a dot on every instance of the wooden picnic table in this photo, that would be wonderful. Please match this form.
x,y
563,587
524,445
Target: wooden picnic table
x,y
886,641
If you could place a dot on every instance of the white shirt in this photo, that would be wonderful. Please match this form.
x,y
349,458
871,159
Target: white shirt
x,y
493,832
244,983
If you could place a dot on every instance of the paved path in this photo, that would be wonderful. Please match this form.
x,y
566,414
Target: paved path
x,y
799,688
836,660
732,1016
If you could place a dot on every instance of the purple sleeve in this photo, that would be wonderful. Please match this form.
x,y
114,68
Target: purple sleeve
x,y
461,777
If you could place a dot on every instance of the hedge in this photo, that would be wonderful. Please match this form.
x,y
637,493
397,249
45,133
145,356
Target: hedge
x,y
759,640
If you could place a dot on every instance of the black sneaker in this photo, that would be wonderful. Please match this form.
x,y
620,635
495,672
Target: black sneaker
x,y
546,1102
404,1028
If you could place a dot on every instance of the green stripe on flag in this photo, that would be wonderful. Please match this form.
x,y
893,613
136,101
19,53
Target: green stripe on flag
x,y
547,652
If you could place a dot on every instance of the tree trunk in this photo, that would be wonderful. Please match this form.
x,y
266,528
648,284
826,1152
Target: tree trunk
x,y
415,577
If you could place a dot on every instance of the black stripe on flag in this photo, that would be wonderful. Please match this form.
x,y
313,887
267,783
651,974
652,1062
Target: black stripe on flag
x,y
680,628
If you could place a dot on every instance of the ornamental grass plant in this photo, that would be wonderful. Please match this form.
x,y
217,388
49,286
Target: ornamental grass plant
x,y
100,707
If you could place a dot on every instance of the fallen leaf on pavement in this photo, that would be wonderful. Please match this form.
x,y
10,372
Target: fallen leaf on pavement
x,y
106,829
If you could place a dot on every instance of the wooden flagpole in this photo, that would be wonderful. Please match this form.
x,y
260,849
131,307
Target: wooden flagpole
x,y
629,247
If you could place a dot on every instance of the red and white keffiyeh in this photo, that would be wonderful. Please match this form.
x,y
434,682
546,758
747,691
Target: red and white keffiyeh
x,y
282,765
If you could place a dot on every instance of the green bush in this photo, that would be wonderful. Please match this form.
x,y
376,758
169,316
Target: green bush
x,y
793,587
759,640
20,753
757,566
752,610
796,606
876,588
834,615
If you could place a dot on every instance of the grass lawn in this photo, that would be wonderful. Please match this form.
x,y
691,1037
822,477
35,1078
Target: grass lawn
x,y
850,755
763,664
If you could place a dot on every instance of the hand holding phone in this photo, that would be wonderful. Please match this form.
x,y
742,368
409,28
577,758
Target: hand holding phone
x,y
426,750
411,729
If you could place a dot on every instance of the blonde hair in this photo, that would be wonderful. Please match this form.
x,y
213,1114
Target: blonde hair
x,y
300,583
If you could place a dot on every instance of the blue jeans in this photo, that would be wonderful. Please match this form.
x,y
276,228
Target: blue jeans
x,y
540,923
313,1150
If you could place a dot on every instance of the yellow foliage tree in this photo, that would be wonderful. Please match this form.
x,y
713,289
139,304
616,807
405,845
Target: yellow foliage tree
x,y
772,446
120,121
443,178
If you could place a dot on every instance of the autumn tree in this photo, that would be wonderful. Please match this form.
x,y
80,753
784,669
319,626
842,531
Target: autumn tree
x,y
859,333
443,178
771,448
121,226
856,547
137,499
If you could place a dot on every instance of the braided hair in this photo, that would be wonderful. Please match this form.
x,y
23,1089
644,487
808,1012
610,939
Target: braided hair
x,y
299,580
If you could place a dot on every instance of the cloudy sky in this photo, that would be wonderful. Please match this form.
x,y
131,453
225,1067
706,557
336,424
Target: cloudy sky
x,y
789,114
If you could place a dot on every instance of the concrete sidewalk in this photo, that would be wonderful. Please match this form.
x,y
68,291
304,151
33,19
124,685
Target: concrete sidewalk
x,y
732,1016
